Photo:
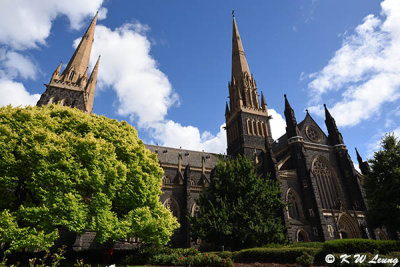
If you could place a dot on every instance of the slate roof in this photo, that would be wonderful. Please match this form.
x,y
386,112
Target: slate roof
x,y
169,155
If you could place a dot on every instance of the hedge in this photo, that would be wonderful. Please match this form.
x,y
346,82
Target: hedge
x,y
353,246
306,245
279,255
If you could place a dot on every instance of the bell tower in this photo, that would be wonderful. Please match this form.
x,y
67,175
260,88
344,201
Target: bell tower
x,y
72,87
247,121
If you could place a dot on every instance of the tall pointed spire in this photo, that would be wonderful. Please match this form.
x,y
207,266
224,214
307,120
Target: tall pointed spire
x,y
72,88
245,116
80,60
239,62
334,135
91,87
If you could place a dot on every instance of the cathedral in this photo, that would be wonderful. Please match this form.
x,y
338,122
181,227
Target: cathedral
x,y
322,189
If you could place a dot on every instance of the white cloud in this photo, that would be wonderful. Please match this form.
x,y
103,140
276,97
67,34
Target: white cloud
x,y
13,64
26,24
278,124
143,91
170,133
365,70
15,94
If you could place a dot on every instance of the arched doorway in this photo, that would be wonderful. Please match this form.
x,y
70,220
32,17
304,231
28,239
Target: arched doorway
x,y
348,227
302,236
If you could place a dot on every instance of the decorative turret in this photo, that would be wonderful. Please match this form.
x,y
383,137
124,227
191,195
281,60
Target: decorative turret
x,y
56,73
291,124
227,110
91,87
335,137
263,102
364,166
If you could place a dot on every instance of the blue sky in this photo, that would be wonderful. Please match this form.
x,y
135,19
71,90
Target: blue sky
x,y
165,65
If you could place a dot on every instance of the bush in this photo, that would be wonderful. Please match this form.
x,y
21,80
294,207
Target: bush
x,y
280,255
353,246
224,254
204,259
305,260
306,245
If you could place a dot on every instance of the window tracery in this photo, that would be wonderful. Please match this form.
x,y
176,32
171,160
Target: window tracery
x,y
294,205
324,177
172,204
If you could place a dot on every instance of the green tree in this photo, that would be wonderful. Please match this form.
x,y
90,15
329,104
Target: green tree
x,y
382,186
239,208
62,168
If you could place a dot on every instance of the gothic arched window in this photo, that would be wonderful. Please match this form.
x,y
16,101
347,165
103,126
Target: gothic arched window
x,y
258,128
324,177
250,127
71,75
254,127
172,204
166,179
262,128
294,205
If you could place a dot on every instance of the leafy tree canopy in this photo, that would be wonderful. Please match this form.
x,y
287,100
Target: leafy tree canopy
x,y
62,168
382,186
239,209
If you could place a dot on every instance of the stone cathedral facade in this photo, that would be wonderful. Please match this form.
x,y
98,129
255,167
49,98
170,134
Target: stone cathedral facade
x,y
318,179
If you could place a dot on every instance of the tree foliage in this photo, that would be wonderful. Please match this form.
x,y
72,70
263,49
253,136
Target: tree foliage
x,y
62,168
239,209
382,186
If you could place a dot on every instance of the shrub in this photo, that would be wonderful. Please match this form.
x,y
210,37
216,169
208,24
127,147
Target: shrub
x,y
306,245
224,254
305,260
281,255
203,259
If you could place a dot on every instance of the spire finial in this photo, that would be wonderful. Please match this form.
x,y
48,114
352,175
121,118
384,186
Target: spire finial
x,y
233,13
307,110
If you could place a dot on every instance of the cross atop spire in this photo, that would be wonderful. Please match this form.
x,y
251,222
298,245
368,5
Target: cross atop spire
x,y
239,62
79,61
